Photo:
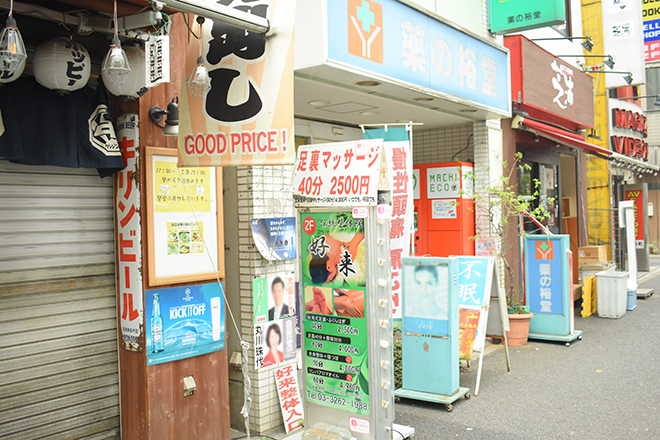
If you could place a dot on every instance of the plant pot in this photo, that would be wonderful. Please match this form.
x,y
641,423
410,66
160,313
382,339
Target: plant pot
x,y
519,329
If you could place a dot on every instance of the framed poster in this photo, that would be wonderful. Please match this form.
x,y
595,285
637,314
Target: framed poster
x,y
184,221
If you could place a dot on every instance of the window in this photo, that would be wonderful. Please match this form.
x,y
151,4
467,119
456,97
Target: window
x,y
652,88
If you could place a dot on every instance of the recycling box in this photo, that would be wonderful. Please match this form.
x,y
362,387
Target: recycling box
x,y
612,293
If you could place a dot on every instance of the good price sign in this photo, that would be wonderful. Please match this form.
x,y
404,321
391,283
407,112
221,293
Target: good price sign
x,y
341,174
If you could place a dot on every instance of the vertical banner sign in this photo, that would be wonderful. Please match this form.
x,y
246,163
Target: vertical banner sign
x,y
286,380
247,116
623,39
129,237
335,322
637,197
544,277
399,159
474,278
339,174
651,20
184,322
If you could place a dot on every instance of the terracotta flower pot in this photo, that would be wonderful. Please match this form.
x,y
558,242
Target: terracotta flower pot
x,y
519,325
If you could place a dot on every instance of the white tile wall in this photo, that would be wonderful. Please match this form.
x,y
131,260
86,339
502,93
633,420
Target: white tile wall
x,y
262,192
440,145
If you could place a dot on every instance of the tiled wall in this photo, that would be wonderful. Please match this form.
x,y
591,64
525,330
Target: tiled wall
x,y
440,145
262,192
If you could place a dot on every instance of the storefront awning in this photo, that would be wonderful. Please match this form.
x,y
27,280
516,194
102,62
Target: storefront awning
x,y
558,135
623,161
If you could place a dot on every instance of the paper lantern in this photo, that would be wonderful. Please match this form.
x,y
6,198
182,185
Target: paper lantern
x,y
61,64
7,76
136,83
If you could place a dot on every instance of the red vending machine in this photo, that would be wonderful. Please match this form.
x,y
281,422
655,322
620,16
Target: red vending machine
x,y
444,209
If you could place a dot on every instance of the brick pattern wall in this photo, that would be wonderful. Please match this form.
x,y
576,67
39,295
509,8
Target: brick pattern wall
x,y
262,192
440,145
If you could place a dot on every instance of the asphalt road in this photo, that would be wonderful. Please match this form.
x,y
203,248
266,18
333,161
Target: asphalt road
x,y
606,386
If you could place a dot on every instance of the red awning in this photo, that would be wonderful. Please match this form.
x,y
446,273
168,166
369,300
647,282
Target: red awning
x,y
559,135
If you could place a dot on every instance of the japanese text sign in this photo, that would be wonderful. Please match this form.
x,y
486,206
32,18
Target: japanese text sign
x,y
340,174
518,15
637,197
453,182
651,19
544,276
129,233
290,402
394,40
545,82
247,116
472,281
468,324
399,160
275,237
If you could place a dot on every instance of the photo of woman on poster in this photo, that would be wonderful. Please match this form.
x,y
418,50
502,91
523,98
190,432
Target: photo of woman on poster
x,y
273,341
425,296
349,303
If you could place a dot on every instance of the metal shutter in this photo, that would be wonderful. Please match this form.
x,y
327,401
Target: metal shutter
x,y
58,329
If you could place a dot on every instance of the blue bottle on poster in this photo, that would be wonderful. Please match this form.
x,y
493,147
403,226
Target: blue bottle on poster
x,y
157,344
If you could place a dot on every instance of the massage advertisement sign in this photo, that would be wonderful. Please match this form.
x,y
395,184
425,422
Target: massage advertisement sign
x,y
183,322
339,174
335,322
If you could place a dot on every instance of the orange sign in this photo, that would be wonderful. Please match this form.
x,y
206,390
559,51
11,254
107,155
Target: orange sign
x,y
544,250
365,29
468,321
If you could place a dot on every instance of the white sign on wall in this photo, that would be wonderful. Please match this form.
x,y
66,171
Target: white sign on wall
x,y
624,40
447,182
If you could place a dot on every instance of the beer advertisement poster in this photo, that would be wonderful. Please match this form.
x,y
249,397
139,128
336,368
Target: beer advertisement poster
x,y
335,322
184,322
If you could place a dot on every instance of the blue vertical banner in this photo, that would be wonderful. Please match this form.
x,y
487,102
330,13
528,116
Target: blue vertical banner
x,y
472,273
544,275
191,322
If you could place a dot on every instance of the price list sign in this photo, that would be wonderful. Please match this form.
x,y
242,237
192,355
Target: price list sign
x,y
335,323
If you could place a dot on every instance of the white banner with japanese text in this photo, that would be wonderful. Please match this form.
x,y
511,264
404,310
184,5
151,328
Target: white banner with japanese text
x,y
129,237
247,116
399,160
338,174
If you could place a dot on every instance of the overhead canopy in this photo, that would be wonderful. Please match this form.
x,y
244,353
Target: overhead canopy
x,y
558,135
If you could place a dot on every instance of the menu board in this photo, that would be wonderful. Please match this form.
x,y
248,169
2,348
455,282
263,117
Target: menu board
x,y
335,321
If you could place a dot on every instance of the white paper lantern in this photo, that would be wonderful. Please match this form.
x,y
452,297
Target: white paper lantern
x,y
61,64
7,76
136,83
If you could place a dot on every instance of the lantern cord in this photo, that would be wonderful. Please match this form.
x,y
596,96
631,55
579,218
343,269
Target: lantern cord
x,y
11,7
200,20
114,16
185,20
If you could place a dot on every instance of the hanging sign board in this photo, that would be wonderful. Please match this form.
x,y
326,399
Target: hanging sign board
x,y
247,116
339,174
129,233
184,322
518,15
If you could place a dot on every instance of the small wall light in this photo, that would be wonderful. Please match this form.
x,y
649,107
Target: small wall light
x,y
171,127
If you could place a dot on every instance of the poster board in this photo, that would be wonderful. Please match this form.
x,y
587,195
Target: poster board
x,y
181,238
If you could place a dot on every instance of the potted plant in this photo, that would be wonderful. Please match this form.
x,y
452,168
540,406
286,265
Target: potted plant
x,y
499,206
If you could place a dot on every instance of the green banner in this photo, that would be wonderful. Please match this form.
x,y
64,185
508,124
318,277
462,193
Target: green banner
x,y
505,16
335,323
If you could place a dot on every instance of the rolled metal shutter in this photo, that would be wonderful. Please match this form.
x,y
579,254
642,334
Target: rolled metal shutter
x,y
58,326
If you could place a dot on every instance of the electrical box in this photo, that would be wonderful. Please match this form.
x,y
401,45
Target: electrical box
x,y
444,209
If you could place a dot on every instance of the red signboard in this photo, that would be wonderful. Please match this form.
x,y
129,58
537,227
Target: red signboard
x,y
637,197
549,88
468,322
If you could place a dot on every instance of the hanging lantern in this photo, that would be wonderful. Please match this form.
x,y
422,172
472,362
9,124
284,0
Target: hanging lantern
x,y
61,64
7,76
136,82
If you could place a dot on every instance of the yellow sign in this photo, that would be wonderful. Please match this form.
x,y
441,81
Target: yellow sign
x,y
184,238
176,189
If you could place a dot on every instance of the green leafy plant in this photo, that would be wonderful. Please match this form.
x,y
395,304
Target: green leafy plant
x,y
501,206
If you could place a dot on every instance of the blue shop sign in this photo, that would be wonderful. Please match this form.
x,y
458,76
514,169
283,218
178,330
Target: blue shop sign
x,y
183,322
397,41
544,276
